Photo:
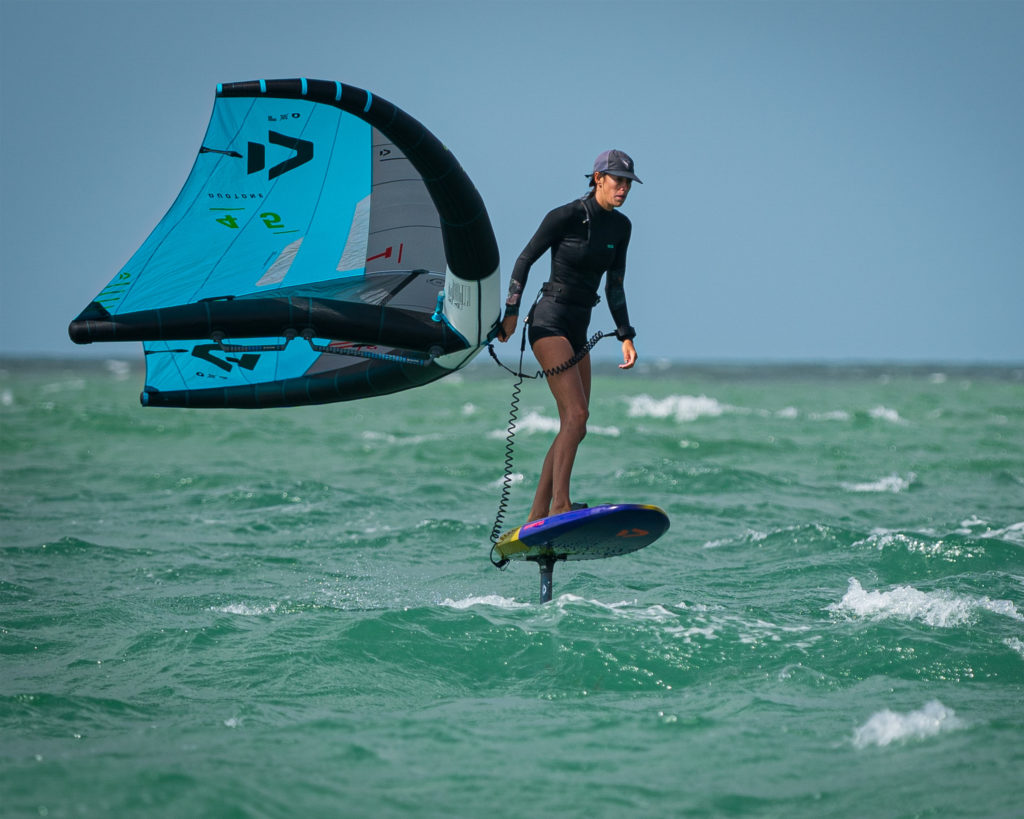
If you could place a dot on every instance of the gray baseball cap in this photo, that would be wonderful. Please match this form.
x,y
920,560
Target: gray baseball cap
x,y
617,163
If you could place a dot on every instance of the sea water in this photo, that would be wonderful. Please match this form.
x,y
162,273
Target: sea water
x,y
291,612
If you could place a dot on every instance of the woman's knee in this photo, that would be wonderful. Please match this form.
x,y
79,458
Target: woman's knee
x,y
575,422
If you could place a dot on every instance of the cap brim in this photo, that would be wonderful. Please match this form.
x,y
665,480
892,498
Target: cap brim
x,y
623,174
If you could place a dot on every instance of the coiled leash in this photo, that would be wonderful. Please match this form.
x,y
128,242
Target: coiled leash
x,y
513,416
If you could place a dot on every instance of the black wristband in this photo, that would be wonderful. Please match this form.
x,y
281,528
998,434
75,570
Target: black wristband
x,y
625,333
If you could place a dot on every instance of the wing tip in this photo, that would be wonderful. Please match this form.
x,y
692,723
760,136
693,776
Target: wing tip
x,y
80,330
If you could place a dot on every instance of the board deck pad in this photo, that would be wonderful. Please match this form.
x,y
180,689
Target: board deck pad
x,y
602,531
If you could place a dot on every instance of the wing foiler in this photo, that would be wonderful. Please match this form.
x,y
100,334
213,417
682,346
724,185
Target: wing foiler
x,y
325,247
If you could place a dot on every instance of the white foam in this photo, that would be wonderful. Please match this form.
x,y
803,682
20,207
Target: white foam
x,y
121,370
968,525
1004,607
245,609
1016,644
833,415
903,602
63,386
495,600
749,536
881,413
390,438
888,726
513,479
681,407
535,422
940,609
686,634
977,527
1014,533
883,539
655,613
890,483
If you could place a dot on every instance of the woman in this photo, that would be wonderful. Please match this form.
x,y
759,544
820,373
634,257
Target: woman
x,y
587,238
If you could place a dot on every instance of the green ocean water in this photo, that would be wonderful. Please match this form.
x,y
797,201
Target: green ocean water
x,y
291,612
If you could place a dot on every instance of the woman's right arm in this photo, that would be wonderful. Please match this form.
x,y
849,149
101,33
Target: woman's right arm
x,y
541,242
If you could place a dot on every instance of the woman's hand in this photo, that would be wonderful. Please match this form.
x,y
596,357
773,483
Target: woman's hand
x,y
628,354
508,327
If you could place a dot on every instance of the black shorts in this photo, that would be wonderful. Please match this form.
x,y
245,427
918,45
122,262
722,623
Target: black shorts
x,y
558,318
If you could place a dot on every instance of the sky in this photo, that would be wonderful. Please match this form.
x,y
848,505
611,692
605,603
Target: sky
x,y
823,181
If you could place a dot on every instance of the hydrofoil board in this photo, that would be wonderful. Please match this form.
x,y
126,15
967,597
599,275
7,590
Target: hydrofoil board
x,y
583,534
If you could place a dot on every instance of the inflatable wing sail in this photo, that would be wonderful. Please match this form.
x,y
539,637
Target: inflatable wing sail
x,y
325,247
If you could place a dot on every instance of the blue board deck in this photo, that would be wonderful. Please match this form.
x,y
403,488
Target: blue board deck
x,y
585,534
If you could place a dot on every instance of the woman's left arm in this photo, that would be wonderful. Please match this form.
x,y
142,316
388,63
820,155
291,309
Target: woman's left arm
x,y
615,291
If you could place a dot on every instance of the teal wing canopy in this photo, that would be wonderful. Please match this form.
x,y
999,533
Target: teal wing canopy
x,y
325,247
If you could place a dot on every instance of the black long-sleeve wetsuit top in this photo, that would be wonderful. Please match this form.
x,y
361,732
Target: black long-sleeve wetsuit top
x,y
586,241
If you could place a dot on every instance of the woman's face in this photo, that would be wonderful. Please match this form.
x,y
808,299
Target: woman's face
x,y
610,190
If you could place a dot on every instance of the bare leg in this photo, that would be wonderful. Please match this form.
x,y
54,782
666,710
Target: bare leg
x,y
571,390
